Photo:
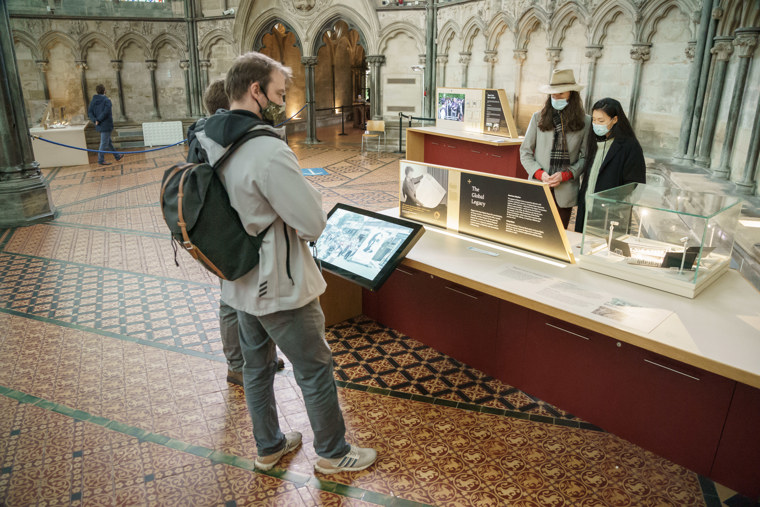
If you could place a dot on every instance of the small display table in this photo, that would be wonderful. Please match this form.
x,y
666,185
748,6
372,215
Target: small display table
x,y
52,155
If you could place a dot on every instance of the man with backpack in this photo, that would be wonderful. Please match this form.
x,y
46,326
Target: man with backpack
x,y
215,100
277,301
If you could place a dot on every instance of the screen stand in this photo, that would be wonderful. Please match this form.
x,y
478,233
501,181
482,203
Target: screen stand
x,y
342,299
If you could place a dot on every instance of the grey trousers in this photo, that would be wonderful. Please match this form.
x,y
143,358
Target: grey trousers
x,y
299,334
228,328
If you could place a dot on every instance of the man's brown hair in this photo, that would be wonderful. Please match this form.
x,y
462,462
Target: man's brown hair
x,y
250,68
215,97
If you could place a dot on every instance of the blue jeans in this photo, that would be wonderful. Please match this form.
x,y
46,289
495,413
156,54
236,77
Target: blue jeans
x,y
106,145
299,334
228,328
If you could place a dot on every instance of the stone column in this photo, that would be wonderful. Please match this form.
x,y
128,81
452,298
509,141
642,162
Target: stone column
x,y
24,194
704,72
722,51
639,54
82,68
375,61
745,43
204,65
42,66
552,54
152,65
593,53
491,58
747,185
185,66
309,62
431,50
520,55
117,64
464,59
441,62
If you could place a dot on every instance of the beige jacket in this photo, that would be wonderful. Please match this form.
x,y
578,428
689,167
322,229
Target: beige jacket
x,y
535,154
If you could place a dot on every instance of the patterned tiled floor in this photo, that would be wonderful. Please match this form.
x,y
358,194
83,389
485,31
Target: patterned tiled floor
x,y
113,391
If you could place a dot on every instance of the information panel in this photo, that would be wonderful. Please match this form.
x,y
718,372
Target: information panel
x,y
510,211
475,110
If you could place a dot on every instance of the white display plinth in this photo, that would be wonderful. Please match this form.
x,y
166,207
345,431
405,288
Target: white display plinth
x,y
52,155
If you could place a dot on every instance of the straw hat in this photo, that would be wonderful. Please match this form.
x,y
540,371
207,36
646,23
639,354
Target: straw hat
x,y
563,80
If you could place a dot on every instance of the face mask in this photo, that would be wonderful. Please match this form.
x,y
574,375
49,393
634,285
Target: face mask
x,y
599,129
559,104
274,112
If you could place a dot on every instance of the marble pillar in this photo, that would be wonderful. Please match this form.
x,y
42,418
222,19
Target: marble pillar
x,y
152,66
464,59
117,65
639,53
185,66
82,68
24,194
491,58
745,43
553,55
593,53
722,49
748,183
42,66
520,55
309,62
204,65
376,104
441,63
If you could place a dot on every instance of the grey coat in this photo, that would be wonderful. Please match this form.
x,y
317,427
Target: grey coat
x,y
535,154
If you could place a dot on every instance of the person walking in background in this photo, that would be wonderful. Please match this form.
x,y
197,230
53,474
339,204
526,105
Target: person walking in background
x,y
555,143
100,114
277,301
215,101
613,155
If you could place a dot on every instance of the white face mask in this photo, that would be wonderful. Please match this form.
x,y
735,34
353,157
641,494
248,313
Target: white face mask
x,y
559,104
600,129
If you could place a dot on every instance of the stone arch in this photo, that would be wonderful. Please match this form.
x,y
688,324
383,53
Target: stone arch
x,y
210,39
401,27
27,40
166,39
471,29
138,40
327,24
258,40
605,15
88,40
563,19
532,19
496,28
734,17
446,35
49,39
651,16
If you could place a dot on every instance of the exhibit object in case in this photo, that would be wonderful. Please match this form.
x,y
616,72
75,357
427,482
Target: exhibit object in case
x,y
666,238
510,211
364,247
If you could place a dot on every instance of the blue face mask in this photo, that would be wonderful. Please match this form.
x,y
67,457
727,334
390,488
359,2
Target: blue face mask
x,y
559,104
600,130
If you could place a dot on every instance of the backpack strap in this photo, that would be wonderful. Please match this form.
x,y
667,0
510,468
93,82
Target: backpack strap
x,y
242,140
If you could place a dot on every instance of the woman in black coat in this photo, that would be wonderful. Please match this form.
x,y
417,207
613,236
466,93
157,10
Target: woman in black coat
x,y
613,155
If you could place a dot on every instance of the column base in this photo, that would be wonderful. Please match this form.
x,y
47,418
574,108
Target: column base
x,y
721,173
25,202
745,188
702,162
312,141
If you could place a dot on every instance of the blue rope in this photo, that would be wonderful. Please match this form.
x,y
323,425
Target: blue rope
x,y
143,151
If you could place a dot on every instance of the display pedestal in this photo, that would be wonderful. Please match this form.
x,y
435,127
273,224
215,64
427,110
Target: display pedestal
x,y
342,299
52,155
465,150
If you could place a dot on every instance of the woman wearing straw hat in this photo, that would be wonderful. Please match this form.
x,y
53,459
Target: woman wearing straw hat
x,y
555,143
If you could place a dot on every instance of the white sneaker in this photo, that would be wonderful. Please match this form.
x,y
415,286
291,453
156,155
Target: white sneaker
x,y
358,458
292,441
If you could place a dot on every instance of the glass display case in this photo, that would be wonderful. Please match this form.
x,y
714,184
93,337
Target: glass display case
x,y
670,239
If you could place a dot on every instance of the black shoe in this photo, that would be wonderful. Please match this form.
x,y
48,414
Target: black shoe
x,y
280,364
119,157
235,377
104,163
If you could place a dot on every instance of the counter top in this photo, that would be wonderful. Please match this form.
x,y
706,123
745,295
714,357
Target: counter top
x,y
468,136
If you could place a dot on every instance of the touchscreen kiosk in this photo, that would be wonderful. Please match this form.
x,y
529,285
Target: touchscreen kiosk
x,y
363,246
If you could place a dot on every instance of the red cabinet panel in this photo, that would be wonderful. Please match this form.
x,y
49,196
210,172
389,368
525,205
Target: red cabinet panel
x,y
486,158
737,463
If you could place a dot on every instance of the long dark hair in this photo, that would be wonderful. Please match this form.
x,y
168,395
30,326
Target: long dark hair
x,y
622,128
573,114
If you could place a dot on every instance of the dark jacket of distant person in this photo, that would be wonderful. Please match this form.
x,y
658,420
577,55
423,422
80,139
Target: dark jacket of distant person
x,y
100,111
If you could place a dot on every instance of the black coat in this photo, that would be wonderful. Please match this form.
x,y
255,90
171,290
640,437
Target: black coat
x,y
624,163
100,110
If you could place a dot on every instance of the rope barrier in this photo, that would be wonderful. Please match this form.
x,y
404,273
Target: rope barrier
x,y
143,151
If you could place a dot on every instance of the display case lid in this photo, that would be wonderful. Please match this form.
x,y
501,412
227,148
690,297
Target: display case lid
x,y
674,200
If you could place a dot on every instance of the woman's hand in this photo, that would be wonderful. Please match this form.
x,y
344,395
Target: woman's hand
x,y
552,180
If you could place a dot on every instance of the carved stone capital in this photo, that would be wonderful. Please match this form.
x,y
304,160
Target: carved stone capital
x,y
311,61
184,65
641,52
464,58
491,57
151,64
204,64
422,59
42,65
520,55
717,13
81,65
376,59
691,48
723,48
552,54
442,60
594,52
116,64
746,42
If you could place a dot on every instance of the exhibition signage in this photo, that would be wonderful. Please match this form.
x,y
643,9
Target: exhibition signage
x,y
511,211
475,110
